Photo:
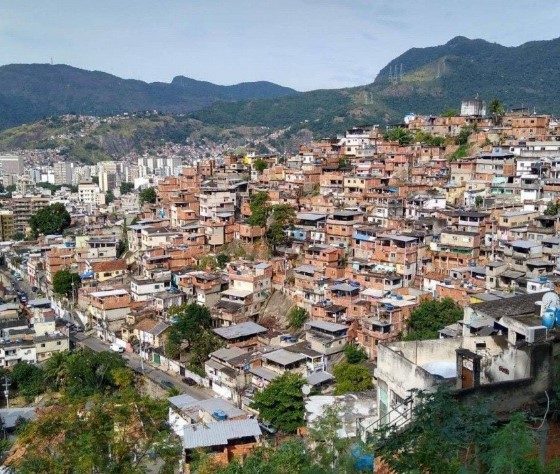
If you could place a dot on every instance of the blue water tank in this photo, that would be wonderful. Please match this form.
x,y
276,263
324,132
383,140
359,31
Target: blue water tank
x,y
557,318
220,415
362,461
549,318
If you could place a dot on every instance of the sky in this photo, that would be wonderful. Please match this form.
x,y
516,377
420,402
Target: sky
x,y
304,44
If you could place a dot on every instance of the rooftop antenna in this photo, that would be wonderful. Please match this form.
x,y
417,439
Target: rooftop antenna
x,y
51,61
390,73
400,78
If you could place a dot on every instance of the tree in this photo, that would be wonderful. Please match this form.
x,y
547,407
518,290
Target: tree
x,y
122,247
109,432
355,354
497,110
65,282
207,262
478,201
430,317
52,219
202,345
343,163
148,195
28,379
351,378
258,204
222,259
109,197
84,372
438,435
429,139
283,217
513,448
450,113
463,136
281,402
190,320
330,451
260,165
552,208
126,187
398,134
290,457
297,317
18,236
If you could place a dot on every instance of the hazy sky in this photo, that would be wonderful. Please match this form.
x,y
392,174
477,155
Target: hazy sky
x,y
305,44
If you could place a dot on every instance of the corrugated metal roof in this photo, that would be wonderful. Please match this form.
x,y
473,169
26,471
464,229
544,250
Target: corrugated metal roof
x,y
248,328
317,378
264,373
228,353
181,401
10,416
283,357
326,325
219,433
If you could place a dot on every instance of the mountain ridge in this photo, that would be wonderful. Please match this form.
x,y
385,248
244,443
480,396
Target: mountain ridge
x,y
30,92
433,79
425,80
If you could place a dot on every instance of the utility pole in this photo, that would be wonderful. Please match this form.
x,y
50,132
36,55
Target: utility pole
x,y
7,391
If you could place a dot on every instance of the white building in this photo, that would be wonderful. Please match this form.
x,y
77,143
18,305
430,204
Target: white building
x,y
88,193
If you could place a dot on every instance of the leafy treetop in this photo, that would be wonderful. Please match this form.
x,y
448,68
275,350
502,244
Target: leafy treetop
x,y
351,378
65,281
52,219
281,402
297,317
430,317
148,195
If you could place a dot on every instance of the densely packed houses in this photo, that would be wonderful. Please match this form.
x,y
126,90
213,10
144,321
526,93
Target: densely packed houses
x,y
375,222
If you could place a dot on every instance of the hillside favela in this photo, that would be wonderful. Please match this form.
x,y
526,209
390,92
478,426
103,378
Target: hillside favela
x,y
357,271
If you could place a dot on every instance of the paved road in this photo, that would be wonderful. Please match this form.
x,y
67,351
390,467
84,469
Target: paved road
x,y
135,363
9,280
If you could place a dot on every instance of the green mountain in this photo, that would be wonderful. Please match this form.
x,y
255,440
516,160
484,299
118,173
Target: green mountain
x,y
29,92
422,80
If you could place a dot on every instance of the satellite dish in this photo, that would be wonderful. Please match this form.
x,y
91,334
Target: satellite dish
x,y
306,389
549,300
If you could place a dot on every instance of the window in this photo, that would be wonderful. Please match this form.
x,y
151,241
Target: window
x,y
43,345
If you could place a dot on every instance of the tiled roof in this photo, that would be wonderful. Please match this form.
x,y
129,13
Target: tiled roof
x,y
108,266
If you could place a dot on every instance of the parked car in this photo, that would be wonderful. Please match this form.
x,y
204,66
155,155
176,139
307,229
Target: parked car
x,y
267,427
116,348
167,385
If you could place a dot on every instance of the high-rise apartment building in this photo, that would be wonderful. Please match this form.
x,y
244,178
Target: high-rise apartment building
x,y
63,172
6,224
11,167
23,207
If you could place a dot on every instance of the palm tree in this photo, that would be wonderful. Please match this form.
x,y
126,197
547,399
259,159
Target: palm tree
x,y
497,110
56,370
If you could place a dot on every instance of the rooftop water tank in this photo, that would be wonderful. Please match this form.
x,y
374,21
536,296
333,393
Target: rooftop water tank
x,y
549,318
220,415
